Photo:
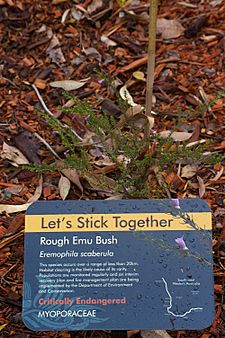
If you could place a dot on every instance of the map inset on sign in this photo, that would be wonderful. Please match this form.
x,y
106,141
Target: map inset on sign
x,y
179,302
118,265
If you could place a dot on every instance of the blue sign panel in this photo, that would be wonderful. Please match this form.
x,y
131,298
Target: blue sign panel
x,y
118,265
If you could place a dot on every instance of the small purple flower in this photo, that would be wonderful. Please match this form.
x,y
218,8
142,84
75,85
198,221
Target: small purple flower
x,y
176,203
101,81
180,241
86,118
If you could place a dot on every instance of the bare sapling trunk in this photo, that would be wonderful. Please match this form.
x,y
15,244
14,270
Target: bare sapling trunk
x,y
151,55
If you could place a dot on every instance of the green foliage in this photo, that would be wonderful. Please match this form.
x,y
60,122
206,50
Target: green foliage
x,y
183,114
135,157
121,2
41,168
98,123
66,135
180,153
111,83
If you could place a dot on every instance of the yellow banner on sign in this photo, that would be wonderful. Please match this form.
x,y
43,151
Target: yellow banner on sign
x,y
117,222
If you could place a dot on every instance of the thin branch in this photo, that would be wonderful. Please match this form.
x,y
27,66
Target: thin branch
x,y
41,100
50,113
47,145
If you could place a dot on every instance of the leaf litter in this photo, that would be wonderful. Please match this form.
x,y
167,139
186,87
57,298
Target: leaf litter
x,y
64,41
64,187
68,85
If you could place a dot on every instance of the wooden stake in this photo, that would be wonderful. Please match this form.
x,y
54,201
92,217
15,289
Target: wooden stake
x,y
151,54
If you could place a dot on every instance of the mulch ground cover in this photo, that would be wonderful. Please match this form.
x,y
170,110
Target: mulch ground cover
x,y
44,41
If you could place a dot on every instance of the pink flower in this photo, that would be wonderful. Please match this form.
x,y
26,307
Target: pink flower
x,y
176,203
180,241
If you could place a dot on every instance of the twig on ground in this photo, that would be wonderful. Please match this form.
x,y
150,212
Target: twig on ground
x,y
47,145
41,100
8,80
50,113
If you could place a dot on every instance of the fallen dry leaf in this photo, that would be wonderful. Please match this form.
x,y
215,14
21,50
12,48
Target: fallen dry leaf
x,y
215,3
14,190
138,122
169,29
77,15
54,51
115,197
130,113
38,191
177,136
28,145
201,188
187,4
96,4
106,182
139,75
64,187
195,26
11,208
150,124
189,171
124,93
73,176
64,16
107,41
13,154
110,108
68,84
197,130
155,334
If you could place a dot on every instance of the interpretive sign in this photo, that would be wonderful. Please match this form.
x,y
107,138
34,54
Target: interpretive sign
x,y
118,265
